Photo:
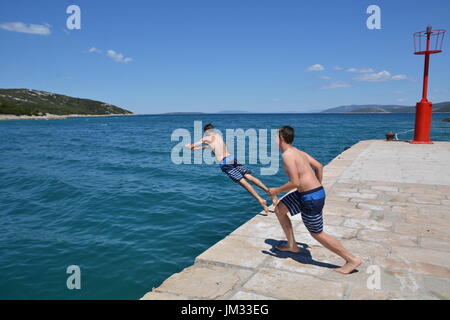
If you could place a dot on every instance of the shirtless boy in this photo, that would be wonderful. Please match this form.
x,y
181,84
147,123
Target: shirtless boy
x,y
229,165
305,175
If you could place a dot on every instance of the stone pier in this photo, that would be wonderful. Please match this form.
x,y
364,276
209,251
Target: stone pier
x,y
387,202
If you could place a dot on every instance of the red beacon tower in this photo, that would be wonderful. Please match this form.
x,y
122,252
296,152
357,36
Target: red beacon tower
x,y
425,42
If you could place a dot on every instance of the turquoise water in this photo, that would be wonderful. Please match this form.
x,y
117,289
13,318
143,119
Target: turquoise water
x,y
103,194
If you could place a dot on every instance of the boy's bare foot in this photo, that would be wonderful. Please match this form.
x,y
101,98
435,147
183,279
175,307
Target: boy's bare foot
x,y
264,205
349,266
288,249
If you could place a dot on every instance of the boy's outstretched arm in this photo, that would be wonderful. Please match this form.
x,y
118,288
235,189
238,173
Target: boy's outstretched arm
x,y
317,167
197,145
291,171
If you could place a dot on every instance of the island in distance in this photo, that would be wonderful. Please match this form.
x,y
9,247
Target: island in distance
x,y
443,107
36,104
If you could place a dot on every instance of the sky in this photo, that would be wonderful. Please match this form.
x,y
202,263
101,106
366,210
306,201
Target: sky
x,y
152,56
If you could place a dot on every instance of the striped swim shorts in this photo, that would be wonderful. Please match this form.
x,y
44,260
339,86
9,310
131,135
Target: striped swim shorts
x,y
310,203
232,168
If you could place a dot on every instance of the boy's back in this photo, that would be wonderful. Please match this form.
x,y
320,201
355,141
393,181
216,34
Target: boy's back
x,y
217,145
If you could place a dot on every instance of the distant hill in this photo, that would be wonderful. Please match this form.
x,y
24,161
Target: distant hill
x,y
373,108
181,113
233,111
35,103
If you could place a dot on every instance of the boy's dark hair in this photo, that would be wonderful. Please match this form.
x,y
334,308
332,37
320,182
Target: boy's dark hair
x,y
208,127
287,133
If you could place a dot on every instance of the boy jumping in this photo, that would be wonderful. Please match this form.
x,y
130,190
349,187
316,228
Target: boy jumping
x,y
229,165
305,175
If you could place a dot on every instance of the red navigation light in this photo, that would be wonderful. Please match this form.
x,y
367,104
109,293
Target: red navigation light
x,y
425,42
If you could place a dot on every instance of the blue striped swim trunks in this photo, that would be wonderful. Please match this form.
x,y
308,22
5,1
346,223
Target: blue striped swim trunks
x,y
232,168
310,203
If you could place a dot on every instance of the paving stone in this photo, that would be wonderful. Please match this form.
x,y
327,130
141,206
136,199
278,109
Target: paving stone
x,y
350,181
395,263
347,212
418,189
402,198
329,203
204,282
154,295
427,220
237,251
363,293
357,195
388,238
289,285
340,232
367,224
243,295
424,199
433,243
385,188
261,227
398,281
423,230
406,283
409,209
371,206
422,255
347,186
377,201
339,189
336,197
340,163
379,183
438,287
334,220
365,250
433,210
367,189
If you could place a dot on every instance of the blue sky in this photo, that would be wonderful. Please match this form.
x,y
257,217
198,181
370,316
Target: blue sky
x,y
213,55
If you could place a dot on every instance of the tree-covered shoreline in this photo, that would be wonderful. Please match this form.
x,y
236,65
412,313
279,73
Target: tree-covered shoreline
x,y
29,102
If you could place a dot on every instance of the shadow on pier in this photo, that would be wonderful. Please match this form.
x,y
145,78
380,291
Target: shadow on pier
x,y
304,256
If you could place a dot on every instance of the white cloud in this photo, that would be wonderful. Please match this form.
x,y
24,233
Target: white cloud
x,y
325,77
399,77
93,49
402,99
380,77
337,68
338,84
315,67
40,29
118,57
367,70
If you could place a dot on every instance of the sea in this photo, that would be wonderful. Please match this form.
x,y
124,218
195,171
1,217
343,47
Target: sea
x,y
97,208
